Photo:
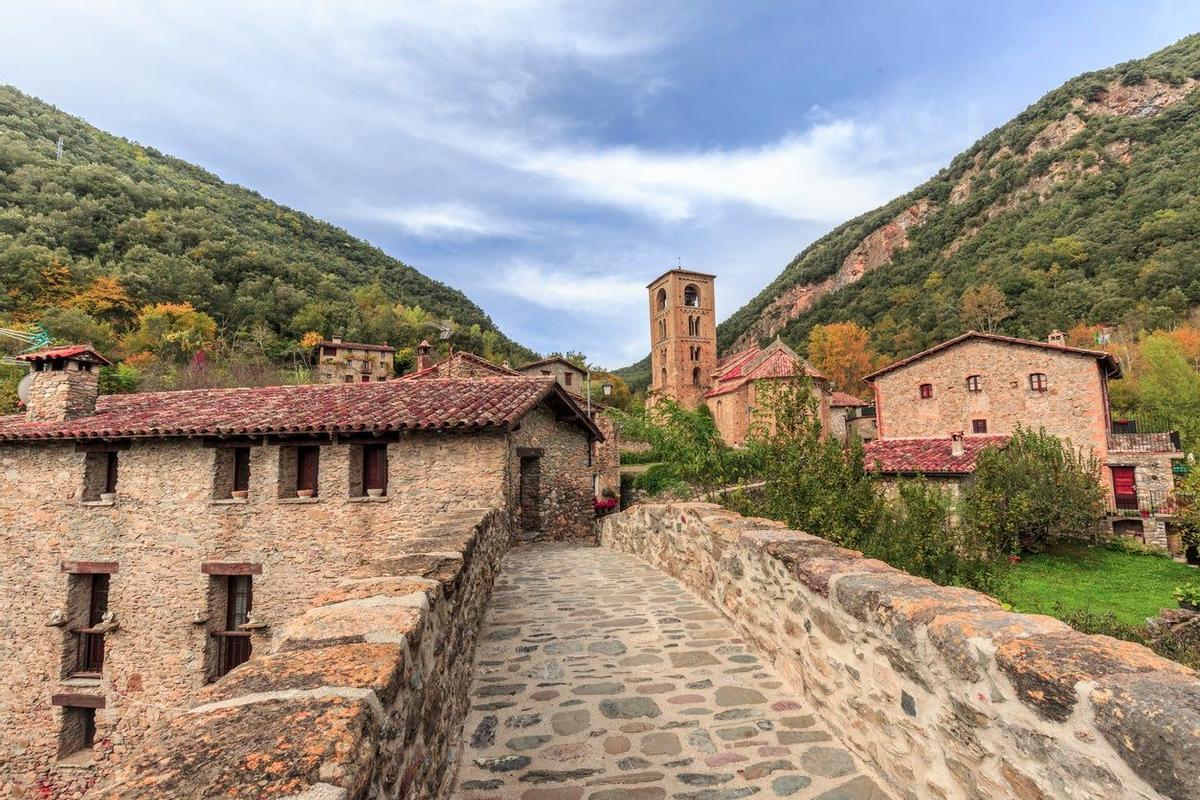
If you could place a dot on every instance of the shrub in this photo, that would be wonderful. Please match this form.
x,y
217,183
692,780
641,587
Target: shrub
x,y
1188,594
1033,492
658,479
650,456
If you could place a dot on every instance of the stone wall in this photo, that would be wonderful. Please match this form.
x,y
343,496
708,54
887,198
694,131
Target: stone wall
x,y
567,503
161,530
944,692
606,456
359,697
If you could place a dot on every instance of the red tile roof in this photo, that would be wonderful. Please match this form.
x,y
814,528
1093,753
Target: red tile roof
x,y
81,351
438,404
776,360
380,348
846,400
927,456
551,360
437,370
1112,366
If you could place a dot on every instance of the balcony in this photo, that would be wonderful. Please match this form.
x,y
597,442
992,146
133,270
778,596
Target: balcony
x,y
89,655
1142,434
233,649
1140,504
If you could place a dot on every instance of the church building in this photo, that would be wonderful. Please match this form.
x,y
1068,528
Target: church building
x,y
685,367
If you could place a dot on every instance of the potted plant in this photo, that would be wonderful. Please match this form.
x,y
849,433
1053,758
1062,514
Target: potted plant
x,y
1188,596
304,493
377,492
108,497
239,494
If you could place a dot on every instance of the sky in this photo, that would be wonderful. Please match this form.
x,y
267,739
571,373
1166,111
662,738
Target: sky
x,y
548,158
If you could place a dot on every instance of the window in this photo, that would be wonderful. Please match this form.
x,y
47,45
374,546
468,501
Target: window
x,y
662,329
366,379
99,474
979,426
926,391
231,644
662,379
1038,381
298,470
693,326
974,383
78,734
696,376
368,470
231,476
567,376
661,299
691,296
1125,487
347,379
590,445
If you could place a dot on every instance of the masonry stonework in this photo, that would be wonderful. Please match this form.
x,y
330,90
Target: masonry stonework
x,y
683,337
164,526
944,692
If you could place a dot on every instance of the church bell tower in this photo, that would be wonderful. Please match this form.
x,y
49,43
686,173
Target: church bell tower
x,y
683,336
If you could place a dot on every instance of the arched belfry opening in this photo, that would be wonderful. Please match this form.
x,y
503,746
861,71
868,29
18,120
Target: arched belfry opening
x,y
661,299
691,296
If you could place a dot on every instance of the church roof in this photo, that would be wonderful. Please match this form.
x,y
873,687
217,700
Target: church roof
x,y
776,360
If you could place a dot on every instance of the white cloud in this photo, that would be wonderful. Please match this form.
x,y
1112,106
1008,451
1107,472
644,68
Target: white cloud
x,y
562,290
444,221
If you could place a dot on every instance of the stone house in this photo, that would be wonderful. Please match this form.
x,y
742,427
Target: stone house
x,y
568,375
353,362
157,538
850,416
981,384
605,459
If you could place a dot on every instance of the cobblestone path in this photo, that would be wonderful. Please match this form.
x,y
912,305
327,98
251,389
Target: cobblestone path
x,y
597,677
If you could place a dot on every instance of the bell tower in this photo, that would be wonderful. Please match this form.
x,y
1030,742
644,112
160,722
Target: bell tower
x,y
683,336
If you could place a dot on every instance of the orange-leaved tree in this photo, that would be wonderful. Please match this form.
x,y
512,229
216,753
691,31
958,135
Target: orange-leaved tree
x,y
842,352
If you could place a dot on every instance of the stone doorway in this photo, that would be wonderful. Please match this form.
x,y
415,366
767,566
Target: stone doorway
x,y
530,500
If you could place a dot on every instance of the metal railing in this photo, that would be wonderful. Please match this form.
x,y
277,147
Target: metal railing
x,y
89,653
233,648
1141,504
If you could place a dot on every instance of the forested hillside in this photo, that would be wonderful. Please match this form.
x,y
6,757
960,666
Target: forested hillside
x,y
155,259
1083,210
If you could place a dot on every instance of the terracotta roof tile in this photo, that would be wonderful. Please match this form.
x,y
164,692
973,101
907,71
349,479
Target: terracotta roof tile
x,y
846,400
64,351
380,348
927,456
383,406
776,360
436,370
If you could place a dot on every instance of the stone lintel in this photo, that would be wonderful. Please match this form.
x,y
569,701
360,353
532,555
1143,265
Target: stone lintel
x,y
230,568
77,700
89,567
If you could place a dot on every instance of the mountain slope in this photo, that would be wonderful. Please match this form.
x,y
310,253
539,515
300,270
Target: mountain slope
x,y
1082,209
168,231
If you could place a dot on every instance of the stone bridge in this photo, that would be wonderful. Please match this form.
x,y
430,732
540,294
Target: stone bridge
x,y
694,655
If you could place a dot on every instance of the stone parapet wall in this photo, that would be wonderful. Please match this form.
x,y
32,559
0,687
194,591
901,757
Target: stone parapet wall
x,y
944,692
359,697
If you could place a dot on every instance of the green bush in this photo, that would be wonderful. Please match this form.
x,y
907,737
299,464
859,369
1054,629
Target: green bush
x,y
1189,593
1133,547
1033,492
658,479
650,456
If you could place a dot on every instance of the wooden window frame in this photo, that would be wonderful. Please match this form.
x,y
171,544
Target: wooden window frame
x,y
979,426
308,468
975,383
925,391
374,468
1039,382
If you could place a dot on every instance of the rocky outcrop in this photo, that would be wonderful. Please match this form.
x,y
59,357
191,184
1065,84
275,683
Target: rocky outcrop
x,y
943,691
1138,100
360,697
875,250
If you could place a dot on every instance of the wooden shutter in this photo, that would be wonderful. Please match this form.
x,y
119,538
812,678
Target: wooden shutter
x,y
375,467
110,478
1124,482
98,602
307,458
239,601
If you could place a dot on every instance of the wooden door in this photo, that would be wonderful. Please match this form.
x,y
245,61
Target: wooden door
x,y
1125,487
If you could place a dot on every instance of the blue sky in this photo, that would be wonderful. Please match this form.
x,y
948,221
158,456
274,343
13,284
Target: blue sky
x,y
549,158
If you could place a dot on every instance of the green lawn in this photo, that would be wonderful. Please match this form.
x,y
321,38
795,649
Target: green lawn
x,y
1096,579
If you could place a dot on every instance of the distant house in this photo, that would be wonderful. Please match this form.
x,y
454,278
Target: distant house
x,y
459,364
568,375
353,362
850,416
982,385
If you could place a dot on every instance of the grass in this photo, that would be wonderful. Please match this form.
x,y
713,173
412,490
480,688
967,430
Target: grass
x,y
1098,580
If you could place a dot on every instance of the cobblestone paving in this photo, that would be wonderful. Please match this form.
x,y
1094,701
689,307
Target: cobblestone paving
x,y
597,677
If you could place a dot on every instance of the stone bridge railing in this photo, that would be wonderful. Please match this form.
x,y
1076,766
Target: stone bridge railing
x,y
944,692
360,697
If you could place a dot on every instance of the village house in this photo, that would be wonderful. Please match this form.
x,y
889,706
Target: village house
x,y
605,459
684,366
850,417
353,362
151,541
938,409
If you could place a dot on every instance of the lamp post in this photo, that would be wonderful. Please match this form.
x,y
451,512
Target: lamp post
x,y
607,389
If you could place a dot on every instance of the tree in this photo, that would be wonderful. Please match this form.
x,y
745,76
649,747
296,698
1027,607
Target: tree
x,y
842,352
1169,387
173,332
1033,492
984,308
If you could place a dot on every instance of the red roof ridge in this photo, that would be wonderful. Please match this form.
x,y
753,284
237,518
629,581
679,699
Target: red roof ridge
x,y
64,351
1113,364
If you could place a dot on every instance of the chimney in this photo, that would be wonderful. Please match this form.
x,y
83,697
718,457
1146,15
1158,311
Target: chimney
x,y
956,444
1057,337
335,339
65,382
423,350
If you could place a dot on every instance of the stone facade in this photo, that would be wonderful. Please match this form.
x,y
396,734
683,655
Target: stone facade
x,y
352,362
683,337
569,376
165,530
941,690
360,696
736,412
